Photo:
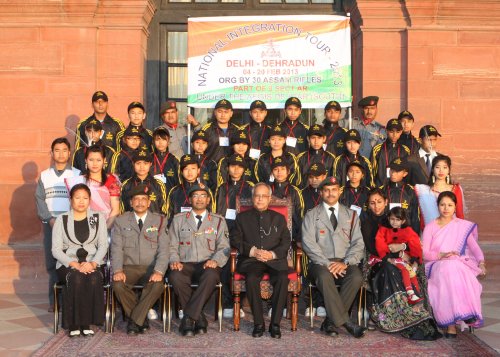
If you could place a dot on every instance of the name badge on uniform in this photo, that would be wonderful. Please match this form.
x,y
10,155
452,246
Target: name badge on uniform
x,y
186,209
356,208
231,214
271,178
254,154
392,205
223,141
388,172
161,177
291,141
324,146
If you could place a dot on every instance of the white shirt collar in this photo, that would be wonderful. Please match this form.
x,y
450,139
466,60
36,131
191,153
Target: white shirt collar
x,y
335,206
422,153
203,215
143,217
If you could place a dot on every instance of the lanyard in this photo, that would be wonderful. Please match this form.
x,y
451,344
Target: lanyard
x,y
227,192
309,157
127,155
356,197
162,164
387,154
186,198
316,201
291,133
331,136
219,132
286,190
389,193
261,136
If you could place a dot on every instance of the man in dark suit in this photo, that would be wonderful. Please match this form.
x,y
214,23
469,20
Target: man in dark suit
x,y
263,239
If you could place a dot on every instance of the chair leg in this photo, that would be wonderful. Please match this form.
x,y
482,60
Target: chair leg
x,y
311,315
236,311
169,307
107,328
295,310
219,306
289,300
360,305
164,308
113,312
56,310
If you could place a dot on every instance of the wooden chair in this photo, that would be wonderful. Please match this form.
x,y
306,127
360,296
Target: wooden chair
x,y
238,286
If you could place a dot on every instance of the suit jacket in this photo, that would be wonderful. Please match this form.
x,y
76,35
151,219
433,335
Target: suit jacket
x,y
322,243
146,247
65,246
265,230
417,170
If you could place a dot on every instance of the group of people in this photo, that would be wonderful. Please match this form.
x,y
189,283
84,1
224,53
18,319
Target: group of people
x,y
370,204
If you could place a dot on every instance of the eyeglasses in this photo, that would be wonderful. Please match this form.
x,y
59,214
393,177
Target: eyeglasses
x,y
199,195
261,196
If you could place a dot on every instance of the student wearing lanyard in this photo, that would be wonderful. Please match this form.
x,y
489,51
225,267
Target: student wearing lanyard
x,y
401,194
295,131
316,153
334,133
165,165
257,131
136,116
157,194
208,168
383,154
121,163
354,194
407,138
178,198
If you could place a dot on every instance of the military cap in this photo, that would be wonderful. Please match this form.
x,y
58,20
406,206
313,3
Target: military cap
x,y
352,134
142,155
161,131
239,137
370,100
99,95
169,104
93,124
333,105
279,161
277,131
428,130
236,159
394,124
223,103
399,164
188,160
140,189
293,101
316,170
199,135
405,114
355,163
198,187
329,181
316,129
131,131
258,104
135,105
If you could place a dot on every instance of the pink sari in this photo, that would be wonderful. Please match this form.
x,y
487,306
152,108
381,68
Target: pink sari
x,y
454,291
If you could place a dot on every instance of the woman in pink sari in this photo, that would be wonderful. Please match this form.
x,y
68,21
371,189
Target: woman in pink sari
x,y
453,260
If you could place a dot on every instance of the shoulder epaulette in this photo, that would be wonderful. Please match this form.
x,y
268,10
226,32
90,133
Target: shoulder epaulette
x,y
150,132
407,149
206,126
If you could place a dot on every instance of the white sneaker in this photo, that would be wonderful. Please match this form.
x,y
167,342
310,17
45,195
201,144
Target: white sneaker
x,y
270,312
88,332
74,333
321,311
229,313
242,313
152,314
308,313
181,314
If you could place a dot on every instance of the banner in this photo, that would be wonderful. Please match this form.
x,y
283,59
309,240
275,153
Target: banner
x,y
270,58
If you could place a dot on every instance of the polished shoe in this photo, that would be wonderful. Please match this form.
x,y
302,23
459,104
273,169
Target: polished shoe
x,y
258,330
186,327
355,330
275,331
144,327
133,328
449,335
329,328
200,326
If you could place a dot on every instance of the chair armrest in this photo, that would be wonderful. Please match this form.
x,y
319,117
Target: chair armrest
x,y
298,259
232,259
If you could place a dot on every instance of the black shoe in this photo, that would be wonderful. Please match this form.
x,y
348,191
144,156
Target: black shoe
x,y
258,330
470,321
275,331
132,328
355,330
329,328
144,327
186,327
450,335
200,326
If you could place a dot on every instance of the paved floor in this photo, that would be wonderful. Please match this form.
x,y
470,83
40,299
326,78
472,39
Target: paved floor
x,y
25,323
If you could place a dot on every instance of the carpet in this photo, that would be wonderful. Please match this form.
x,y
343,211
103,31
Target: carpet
x,y
304,342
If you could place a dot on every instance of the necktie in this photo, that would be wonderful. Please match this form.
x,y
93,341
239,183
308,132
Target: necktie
x,y
428,163
198,217
140,223
333,219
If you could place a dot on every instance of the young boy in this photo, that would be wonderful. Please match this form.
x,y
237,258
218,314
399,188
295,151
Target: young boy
x,y
122,164
295,131
315,154
240,143
354,194
137,115
165,165
407,138
93,133
401,194
143,161
257,131
383,154
428,137
208,168
352,142
263,169
334,133
52,199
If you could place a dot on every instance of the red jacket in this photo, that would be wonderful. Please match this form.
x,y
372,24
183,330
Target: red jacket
x,y
386,236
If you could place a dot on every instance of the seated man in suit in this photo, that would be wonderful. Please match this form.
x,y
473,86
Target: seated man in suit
x,y
331,238
139,251
263,239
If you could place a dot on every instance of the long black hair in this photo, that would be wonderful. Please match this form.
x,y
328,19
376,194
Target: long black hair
x,y
435,161
100,149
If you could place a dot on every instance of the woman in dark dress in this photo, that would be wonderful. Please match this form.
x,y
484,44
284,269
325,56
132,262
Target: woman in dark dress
x,y
79,244
389,308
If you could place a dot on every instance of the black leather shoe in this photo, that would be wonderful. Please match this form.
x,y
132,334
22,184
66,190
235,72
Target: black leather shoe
x,y
200,326
355,330
329,328
132,328
275,331
258,330
144,327
186,327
